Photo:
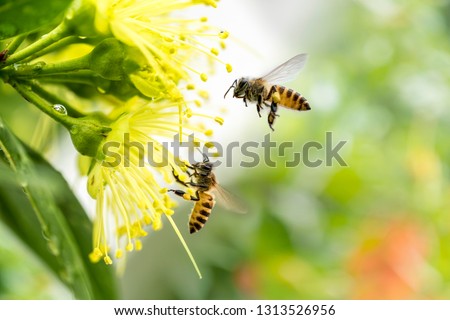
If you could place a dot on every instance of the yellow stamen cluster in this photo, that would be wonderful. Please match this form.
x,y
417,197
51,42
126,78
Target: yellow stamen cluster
x,y
169,45
124,179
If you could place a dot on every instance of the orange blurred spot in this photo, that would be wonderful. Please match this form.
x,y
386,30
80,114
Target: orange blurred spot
x,y
389,263
247,280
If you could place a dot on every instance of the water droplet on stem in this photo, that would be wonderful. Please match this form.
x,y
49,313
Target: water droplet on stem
x,y
60,109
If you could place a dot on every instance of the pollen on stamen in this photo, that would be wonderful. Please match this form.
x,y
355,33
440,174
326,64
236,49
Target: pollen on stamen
x,y
122,230
204,19
163,190
107,260
168,212
129,247
95,255
190,86
156,204
147,219
168,202
203,93
157,225
223,34
219,120
136,230
183,166
223,45
229,67
209,145
204,77
142,204
198,103
212,3
215,51
138,245
119,253
208,133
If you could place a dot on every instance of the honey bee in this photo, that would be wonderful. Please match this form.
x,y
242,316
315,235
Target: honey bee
x,y
263,90
204,181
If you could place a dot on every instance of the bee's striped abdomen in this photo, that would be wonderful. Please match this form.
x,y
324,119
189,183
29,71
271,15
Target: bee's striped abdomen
x,y
201,211
291,99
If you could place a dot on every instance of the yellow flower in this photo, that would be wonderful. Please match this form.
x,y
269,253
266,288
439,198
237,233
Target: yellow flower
x,y
125,178
168,44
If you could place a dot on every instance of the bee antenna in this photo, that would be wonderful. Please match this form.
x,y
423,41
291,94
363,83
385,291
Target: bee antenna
x,y
233,85
205,156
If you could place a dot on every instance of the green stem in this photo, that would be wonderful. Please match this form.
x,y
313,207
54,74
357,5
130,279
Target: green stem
x,y
43,105
87,133
15,43
81,77
51,98
53,36
61,44
38,69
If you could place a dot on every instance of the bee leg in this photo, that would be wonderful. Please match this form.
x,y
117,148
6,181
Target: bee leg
x,y
271,119
185,195
272,115
258,105
274,108
245,101
177,178
190,174
193,184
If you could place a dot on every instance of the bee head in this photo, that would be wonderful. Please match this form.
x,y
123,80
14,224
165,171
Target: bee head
x,y
205,166
240,87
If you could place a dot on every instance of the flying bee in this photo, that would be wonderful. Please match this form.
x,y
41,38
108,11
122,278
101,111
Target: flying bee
x,y
204,181
264,90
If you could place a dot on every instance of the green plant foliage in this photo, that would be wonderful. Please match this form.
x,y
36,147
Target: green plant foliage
x,y
377,77
23,16
37,204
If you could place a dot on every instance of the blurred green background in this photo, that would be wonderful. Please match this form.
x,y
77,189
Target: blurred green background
x,y
378,77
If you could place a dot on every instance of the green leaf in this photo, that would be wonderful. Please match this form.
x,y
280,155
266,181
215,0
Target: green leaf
x,y
22,16
38,205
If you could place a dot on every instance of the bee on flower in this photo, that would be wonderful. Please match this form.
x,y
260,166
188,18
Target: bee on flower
x,y
128,88
129,193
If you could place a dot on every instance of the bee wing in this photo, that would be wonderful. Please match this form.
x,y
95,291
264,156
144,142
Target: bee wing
x,y
287,71
229,200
